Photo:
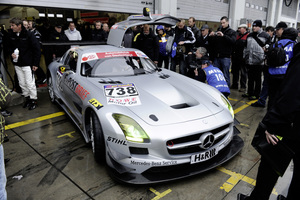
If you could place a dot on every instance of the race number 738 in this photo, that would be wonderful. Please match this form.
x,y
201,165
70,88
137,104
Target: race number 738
x,y
121,91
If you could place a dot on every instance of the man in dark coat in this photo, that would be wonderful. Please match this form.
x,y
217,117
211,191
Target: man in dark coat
x,y
26,60
58,36
147,42
98,33
283,120
223,41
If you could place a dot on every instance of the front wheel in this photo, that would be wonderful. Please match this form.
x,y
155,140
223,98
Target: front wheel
x,y
96,138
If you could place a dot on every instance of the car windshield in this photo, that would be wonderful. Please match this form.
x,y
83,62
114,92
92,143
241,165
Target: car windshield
x,y
118,66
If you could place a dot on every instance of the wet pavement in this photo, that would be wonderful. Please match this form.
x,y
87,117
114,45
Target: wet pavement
x,y
49,159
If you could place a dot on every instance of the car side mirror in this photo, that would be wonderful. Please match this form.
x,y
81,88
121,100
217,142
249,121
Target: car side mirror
x,y
64,68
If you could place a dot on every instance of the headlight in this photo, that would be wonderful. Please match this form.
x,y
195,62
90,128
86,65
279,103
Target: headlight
x,y
132,130
228,105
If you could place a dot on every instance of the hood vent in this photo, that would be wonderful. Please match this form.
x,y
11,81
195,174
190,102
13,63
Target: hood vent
x,y
180,106
164,76
102,81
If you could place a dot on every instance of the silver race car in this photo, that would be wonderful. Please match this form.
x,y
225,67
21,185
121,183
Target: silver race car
x,y
149,125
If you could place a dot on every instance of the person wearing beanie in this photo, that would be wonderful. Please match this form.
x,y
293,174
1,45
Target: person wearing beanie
x,y
277,73
279,29
254,58
163,56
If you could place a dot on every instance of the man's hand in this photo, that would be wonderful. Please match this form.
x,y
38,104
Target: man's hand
x,y
181,43
34,68
271,138
13,55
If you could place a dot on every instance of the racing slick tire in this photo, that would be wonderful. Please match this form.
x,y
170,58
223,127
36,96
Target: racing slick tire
x,y
51,89
96,138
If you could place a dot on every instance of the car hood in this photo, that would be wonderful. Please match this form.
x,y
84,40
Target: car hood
x,y
166,99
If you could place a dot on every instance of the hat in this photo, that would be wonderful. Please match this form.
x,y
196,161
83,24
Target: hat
x,y
58,25
243,26
257,23
289,33
281,25
205,26
160,27
204,60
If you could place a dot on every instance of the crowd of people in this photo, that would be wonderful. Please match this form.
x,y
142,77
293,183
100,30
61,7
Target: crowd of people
x,y
202,54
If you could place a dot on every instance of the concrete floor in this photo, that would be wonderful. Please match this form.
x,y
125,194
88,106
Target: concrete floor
x,y
50,160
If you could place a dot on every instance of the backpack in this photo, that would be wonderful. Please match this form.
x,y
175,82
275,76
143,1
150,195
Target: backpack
x,y
276,55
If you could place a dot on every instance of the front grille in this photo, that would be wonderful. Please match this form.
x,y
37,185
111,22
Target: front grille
x,y
191,144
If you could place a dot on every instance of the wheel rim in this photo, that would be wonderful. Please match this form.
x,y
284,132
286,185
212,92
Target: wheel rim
x,y
92,134
50,89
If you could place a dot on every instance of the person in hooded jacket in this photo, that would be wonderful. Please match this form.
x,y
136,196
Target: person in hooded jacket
x,y
283,119
147,42
163,54
277,73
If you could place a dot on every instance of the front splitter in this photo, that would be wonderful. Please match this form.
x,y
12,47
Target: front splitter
x,y
169,173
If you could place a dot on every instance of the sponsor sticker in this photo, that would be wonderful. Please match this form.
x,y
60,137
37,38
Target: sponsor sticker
x,y
201,157
94,56
88,57
122,94
96,103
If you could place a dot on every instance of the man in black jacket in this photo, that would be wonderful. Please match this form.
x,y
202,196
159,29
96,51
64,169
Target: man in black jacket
x,y
58,36
185,39
238,68
98,33
223,41
195,29
147,42
283,120
26,61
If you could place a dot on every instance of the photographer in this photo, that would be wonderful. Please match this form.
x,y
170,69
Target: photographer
x,y
222,42
193,60
211,75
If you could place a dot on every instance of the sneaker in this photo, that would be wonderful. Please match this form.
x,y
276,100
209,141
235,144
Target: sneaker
x,y
27,102
256,104
245,95
252,98
33,104
6,113
6,139
241,196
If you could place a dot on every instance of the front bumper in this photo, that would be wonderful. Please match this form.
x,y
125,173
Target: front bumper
x,y
174,172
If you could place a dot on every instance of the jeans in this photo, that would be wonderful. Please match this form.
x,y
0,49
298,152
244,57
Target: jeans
x,y
254,80
239,73
224,65
182,65
3,195
265,89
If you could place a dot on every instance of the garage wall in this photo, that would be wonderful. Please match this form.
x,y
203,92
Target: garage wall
x,y
256,9
128,6
205,10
